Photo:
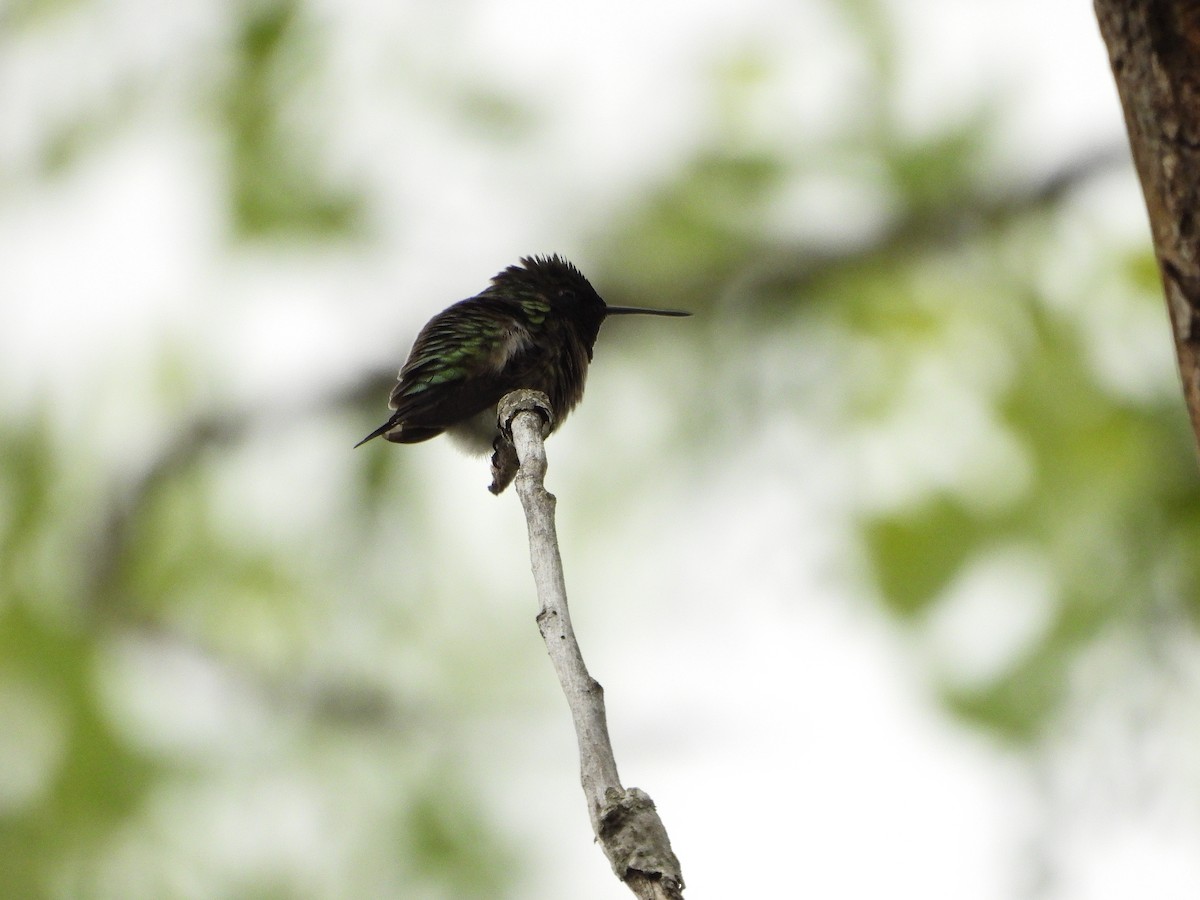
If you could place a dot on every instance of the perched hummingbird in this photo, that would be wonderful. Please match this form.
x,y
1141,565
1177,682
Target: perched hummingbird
x,y
533,327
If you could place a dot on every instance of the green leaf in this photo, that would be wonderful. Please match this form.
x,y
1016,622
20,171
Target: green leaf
x,y
917,553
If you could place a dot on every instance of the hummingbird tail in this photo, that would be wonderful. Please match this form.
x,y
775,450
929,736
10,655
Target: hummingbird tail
x,y
386,426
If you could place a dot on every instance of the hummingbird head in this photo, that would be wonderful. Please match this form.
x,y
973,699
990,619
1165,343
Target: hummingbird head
x,y
568,292
552,280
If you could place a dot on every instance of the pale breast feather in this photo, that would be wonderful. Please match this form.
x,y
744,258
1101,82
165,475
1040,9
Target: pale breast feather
x,y
514,340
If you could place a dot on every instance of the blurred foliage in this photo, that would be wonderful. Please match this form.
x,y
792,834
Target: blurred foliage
x,y
1108,490
946,284
83,782
21,14
919,552
277,180
61,747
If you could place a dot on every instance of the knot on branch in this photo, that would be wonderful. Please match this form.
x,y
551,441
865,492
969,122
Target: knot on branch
x,y
505,461
524,400
635,840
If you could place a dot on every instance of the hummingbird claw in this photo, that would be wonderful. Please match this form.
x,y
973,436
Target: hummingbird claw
x,y
504,465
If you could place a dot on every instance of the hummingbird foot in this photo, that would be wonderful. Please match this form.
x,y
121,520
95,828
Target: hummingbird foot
x,y
504,456
504,464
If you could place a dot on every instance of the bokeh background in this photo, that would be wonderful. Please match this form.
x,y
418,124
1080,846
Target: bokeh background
x,y
887,558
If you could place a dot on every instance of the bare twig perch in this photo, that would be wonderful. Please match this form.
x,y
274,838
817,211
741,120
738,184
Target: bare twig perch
x,y
624,820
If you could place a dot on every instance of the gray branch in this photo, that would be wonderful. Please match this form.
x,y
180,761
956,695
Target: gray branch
x,y
624,820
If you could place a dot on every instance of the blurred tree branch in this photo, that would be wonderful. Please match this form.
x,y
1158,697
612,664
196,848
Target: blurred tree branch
x,y
204,432
625,822
1154,47
790,269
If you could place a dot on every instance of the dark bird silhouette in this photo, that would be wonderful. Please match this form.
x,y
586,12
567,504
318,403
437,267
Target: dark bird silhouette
x,y
533,327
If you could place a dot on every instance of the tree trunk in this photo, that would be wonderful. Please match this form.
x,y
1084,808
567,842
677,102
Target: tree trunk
x,y
1154,48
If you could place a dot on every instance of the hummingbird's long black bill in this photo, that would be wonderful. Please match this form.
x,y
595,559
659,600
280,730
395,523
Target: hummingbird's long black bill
x,y
642,311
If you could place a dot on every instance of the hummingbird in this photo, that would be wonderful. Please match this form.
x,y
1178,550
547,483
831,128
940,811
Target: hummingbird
x,y
533,327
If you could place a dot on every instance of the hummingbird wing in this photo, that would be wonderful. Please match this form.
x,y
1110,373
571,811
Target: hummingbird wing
x,y
457,366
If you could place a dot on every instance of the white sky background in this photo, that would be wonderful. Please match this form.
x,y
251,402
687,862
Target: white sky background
x,y
792,745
